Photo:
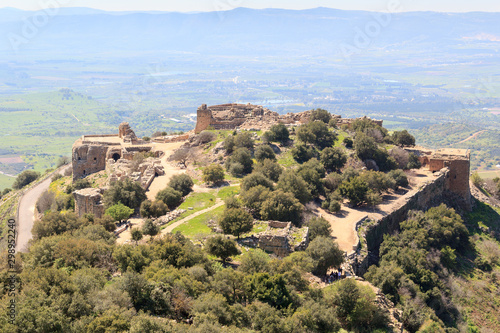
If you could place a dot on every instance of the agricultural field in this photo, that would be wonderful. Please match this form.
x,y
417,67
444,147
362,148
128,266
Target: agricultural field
x,y
36,129
6,182
39,128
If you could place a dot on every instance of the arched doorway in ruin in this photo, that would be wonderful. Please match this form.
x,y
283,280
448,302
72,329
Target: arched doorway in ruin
x,y
116,156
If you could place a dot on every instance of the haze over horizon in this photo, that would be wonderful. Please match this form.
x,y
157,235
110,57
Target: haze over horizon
x,y
221,5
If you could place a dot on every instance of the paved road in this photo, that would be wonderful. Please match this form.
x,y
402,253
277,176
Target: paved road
x,y
26,216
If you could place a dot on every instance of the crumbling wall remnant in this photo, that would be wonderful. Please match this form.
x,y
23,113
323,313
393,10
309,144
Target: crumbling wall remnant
x,y
280,238
88,159
89,201
248,116
126,133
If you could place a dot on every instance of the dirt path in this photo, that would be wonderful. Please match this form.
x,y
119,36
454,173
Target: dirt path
x,y
160,182
344,223
125,236
473,136
26,216
171,227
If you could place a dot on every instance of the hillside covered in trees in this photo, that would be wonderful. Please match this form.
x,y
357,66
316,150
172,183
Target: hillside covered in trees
x,y
441,271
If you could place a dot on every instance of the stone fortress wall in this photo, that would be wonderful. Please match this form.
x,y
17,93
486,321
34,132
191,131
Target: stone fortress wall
x,y
114,153
248,116
91,153
458,163
230,116
89,201
451,185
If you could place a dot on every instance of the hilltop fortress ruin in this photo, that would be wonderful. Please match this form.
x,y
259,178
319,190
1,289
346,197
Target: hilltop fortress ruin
x,y
114,153
447,171
248,116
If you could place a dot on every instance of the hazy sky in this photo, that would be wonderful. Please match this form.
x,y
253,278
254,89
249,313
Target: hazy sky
x,y
211,5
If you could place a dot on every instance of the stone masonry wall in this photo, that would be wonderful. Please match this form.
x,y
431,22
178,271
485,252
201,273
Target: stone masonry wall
x,y
458,181
88,159
431,194
89,201
203,118
278,244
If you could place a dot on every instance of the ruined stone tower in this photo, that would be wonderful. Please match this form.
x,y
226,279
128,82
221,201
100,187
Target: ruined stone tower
x,y
458,163
203,119
89,201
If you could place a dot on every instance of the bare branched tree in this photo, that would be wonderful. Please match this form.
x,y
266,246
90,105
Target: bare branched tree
x,y
181,155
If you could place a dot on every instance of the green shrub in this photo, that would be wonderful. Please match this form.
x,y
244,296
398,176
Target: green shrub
x,y
263,152
303,153
182,183
80,184
318,227
322,115
399,177
243,157
277,133
333,159
255,179
476,180
119,212
270,169
213,173
235,221
221,247
170,197
24,178
290,182
355,190
128,192
282,206
348,142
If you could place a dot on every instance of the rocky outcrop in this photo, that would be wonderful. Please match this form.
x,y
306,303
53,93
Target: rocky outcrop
x,y
162,220
144,174
171,138
348,121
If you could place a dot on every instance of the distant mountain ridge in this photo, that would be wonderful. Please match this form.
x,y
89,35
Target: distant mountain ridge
x,y
242,31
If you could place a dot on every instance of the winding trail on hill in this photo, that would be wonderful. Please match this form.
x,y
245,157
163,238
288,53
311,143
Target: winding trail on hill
x,y
26,211
473,136
192,216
